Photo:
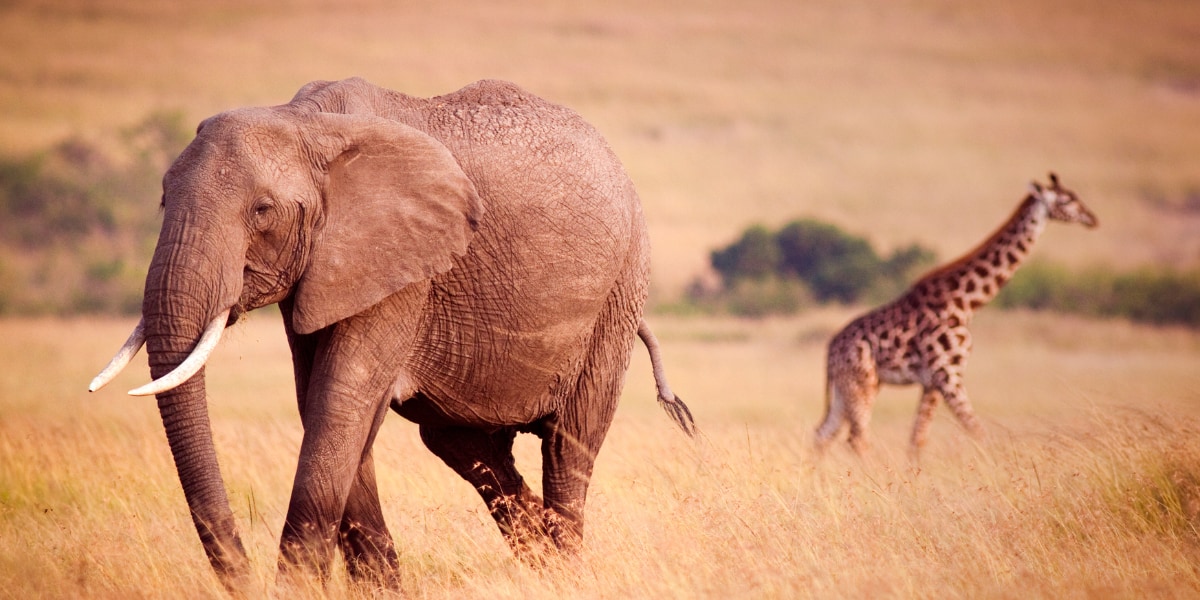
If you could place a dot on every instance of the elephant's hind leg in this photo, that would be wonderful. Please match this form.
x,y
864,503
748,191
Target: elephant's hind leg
x,y
486,461
571,437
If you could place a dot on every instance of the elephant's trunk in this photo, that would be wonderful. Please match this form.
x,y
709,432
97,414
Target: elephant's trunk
x,y
191,365
185,418
179,302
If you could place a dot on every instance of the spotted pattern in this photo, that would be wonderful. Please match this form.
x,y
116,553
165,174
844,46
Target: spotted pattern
x,y
922,337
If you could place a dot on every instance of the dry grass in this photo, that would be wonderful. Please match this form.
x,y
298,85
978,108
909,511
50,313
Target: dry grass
x,y
1088,483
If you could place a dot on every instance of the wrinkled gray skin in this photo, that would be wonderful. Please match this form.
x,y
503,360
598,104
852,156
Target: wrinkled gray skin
x,y
476,261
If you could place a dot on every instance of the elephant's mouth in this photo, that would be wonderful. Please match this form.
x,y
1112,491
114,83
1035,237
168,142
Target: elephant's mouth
x,y
260,288
236,312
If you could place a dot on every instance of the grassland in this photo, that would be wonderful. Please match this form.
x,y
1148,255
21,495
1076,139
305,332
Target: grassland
x,y
910,121
1088,484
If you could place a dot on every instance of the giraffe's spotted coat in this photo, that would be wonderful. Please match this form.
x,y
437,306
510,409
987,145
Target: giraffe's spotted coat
x,y
922,336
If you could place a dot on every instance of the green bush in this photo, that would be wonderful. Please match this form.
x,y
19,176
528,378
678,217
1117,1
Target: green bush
x,y
767,272
1037,286
1158,296
1152,295
7,287
77,219
766,296
40,205
835,265
904,266
756,255
807,261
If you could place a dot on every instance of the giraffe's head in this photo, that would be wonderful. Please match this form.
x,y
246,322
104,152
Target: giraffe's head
x,y
1062,204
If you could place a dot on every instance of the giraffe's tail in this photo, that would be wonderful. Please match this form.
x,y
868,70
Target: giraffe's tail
x,y
672,404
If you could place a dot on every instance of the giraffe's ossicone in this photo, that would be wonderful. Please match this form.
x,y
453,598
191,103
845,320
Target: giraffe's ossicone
x,y
922,336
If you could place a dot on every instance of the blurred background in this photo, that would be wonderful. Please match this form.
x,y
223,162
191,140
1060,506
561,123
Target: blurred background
x,y
909,125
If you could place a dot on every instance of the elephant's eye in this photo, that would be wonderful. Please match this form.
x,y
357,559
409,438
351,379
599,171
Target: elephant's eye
x,y
263,206
261,213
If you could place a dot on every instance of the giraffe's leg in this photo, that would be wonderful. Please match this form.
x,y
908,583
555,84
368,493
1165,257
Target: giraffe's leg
x,y
960,405
929,401
860,418
852,382
860,398
950,383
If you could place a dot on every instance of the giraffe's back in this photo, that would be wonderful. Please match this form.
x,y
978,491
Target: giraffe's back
x,y
906,339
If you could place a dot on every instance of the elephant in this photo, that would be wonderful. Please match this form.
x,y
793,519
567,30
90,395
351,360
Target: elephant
x,y
477,262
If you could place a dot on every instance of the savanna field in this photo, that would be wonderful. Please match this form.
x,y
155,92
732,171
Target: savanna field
x,y
904,122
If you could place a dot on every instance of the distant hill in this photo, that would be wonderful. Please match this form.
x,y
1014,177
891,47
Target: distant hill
x,y
906,121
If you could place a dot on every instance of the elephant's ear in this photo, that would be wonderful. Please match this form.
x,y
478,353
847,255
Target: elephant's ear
x,y
397,209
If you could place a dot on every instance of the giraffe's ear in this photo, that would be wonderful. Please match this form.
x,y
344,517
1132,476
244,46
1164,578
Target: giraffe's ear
x,y
1035,188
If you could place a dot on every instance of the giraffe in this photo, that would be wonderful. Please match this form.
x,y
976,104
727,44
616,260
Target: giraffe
x,y
922,337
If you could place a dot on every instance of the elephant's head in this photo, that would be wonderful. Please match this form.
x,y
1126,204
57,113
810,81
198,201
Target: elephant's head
x,y
332,211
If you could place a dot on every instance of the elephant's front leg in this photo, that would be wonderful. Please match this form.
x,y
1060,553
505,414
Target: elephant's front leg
x,y
346,396
366,543
327,479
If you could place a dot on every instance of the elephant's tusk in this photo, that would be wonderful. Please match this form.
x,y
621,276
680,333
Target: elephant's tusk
x,y
192,364
121,359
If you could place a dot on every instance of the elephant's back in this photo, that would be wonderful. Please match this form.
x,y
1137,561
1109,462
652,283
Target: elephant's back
x,y
559,208
562,230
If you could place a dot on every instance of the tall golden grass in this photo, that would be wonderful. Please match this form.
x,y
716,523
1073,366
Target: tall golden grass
x,y
1087,484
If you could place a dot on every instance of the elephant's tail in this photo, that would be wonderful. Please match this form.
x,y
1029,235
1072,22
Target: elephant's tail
x,y
676,409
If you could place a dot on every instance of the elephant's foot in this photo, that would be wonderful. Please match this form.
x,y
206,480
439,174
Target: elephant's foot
x,y
565,528
305,555
522,521
371,558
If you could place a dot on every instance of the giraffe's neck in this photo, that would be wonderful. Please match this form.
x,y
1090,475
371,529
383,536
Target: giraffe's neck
x,y
976,278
